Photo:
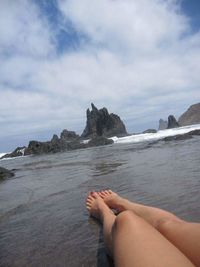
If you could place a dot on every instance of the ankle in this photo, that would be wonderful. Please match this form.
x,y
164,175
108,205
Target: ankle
x,y
121,204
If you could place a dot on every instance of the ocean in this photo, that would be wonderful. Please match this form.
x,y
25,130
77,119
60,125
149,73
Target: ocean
x,y
43,220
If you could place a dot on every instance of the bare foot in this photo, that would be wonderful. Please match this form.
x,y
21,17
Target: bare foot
x,y
112,199
96,206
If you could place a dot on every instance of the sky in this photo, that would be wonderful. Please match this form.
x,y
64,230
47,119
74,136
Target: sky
x,y
138,58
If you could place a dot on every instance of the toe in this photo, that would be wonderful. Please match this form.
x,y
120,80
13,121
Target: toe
x,y
102,194
95,195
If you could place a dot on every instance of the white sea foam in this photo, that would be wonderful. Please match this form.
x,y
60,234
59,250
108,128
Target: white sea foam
x,y
2,154
136,138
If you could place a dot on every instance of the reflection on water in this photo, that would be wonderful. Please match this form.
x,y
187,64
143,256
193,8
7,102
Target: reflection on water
x,y
104,168
43,220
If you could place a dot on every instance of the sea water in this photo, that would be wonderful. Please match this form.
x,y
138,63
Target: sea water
x,y
43,220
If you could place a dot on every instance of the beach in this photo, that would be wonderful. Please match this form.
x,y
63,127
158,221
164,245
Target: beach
x,y
43,220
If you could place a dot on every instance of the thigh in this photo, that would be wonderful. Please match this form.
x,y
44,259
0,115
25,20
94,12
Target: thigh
x,y
136,243
185,236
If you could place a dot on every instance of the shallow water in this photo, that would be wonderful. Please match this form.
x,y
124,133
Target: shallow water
x,y
43,221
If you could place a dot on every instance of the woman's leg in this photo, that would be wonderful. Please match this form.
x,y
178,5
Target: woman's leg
x,y
152,215
132,241
98,209
184,235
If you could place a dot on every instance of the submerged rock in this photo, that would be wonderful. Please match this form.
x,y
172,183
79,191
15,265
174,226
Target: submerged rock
x,y
4,173
191,116
101,123
172,122
150,131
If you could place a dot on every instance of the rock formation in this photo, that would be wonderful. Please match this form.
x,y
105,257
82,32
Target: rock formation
x,y
4,173
19,151
101,123
68,140
65,143
68,135
100,141
162,124
150,131
191,116
182,136
172,122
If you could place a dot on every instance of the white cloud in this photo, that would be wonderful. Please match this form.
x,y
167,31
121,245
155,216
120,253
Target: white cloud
x,y
141,25
23,30
141,61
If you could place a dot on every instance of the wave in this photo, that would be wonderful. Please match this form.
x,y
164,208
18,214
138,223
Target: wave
x,y
136,138
2,154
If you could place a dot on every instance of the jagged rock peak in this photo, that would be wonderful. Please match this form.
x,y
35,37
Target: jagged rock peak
x,y
101,123
191,116
68,135
162,124
172,122
55,138
95,109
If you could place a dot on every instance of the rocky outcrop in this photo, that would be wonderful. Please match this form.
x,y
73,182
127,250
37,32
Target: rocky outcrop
x,y
66,143
101,123
150,131
19,151
37,148
162,124
100,141
191,116
182,136
68,140
68,135
4,173
172,122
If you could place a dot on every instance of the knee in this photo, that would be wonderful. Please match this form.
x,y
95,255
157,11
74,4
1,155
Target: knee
x,y
124,217
167,225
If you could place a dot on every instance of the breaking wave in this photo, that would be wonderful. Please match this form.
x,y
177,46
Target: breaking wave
x,y
136,138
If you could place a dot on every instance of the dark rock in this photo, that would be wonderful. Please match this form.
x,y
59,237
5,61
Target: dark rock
x,y
150,131
182,136
75,145
4,173
100,141
191,116
68,135
19,151
172,123
55,138
101,123
53,146
178,137
162,124
195,132
37,148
